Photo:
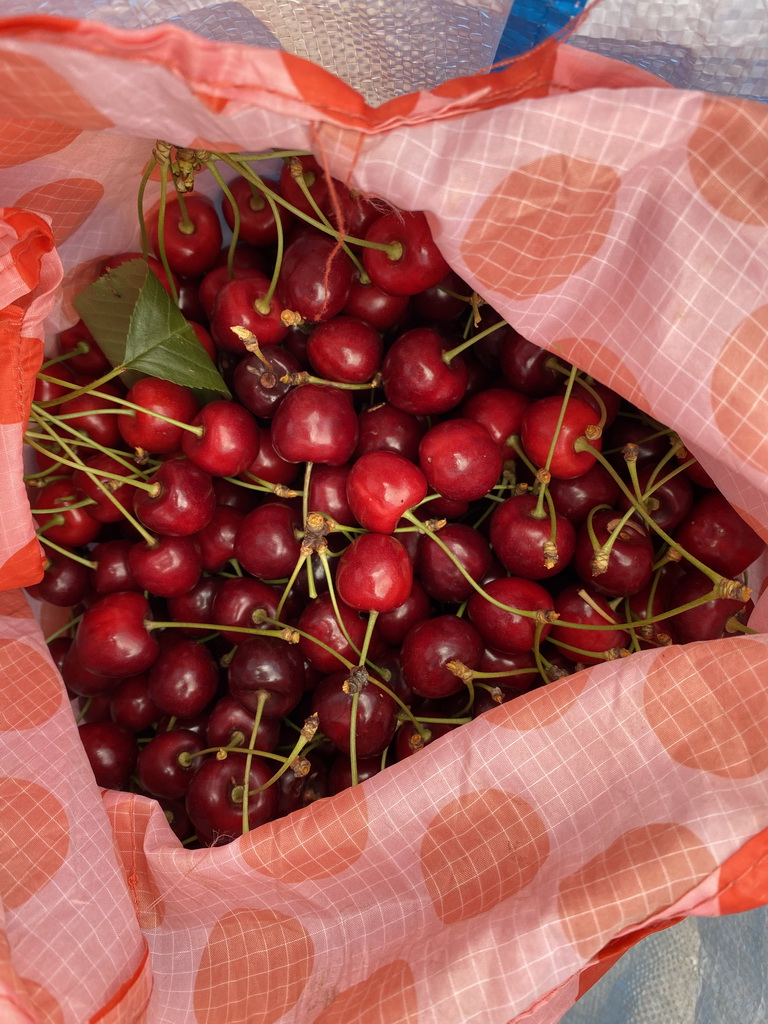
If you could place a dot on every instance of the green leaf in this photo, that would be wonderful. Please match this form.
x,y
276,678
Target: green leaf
x,y
138,327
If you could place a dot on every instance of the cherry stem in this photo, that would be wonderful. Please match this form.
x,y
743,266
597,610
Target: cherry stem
x,y
303,377
161,233
261,616
81,440
62,508
83,710
372,616
210,164
151,164
95,475
65,628
186,757
565,370
264,485
323,556
441,721
82,348
734,625
290,581
302,183
151,624
393,250
307,733
602,553
261,701
69,554
448,356
305,512
537,655
77,389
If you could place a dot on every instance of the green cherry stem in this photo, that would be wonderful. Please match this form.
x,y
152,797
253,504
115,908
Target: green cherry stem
x,y
82,348
65,628
161,233
448,356
77,389
69,554
151,164
211,165
305,736
261,701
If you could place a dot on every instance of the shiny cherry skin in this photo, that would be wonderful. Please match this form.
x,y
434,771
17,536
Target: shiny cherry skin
x,y
315,423
230,439
266,545
230,724
131,706
572,606
184,679
575,498
112,637
630,562
315,180
190,251
439,574
538,428
78,527
427,648
258,223
168,568
318,621
375,721
315,278
214,800
381,486
271,666
460,459
65,582
184,502
375,573
376,307
419,266
259,387
500,411
519,538
715,533
111,751
507,630
242,303
384,428
216,541
394,625
165,765
527,366
235,602
345,349
143,430
706,621
92,363
417,379
196,605
104,510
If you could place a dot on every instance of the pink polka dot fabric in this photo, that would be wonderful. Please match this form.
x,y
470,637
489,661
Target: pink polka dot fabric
x,y
493,877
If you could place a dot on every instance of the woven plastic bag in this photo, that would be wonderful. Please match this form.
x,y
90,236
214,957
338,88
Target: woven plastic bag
x,y
496,875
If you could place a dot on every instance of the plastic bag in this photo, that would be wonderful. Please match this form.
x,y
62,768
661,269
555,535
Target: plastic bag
x,y
498,874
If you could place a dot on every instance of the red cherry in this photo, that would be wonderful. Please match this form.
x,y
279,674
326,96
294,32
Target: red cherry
x,y
315,179
430,645
214,798
376,307
212,283
130,704
266,545
315,277
416,378
65,583
716,534
520,538
191,245
318,620
104,510
112,637
168,568
345,349
375,720
507,630
258,225
184,679
184,503
259,387
630,563
229,442
78,527
460,459
538,428
500,411
528,367
381,486
374,573
315,424
439,574
235,602
230,724
394,625
575,498
271,666
241,303
92,363
160,767
143,430
111,751
384,428
572,606
419,265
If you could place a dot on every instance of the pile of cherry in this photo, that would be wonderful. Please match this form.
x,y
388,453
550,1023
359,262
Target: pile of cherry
x,y
407,515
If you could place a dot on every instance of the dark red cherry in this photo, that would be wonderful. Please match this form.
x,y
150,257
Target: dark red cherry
x,y
104,510
460,459
381,486
131,706
417,379
394,625
528,367
65,582
271,666
374,573
166,764
716,534
630,562
229,442
143,430
318,621
168,568
235,602
443,302
77,527
258,223
196,605
266,545
668,502
539,426
582,604
385,428
345,349
375,720
112,637
259,386
315,278
184,679
706,621
111,751
184,503
526,543
214,799
91,363
216,541
315,424
230,724
575,498
418,265
510,631
442,579
500,411
376,307
328,493
430,645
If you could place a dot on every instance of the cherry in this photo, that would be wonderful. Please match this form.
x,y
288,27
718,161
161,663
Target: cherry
x,y
91,363
214,799
131,706
216,541
231,494
159,769
230,724
417,379
295,792
652,443
500,411
409,741
374,573
153,435
375,721
212,283
670,501
258,225
419,263
315,424
266,545
184,679
112,638
436,304
196,605
707,621
716,534
538,428
523,539
184,503
439,574
523,672
111,751
630,563
385,428
340,772
575,498
235,602
318,620
81,679
229,442
315,180
269,666
77,527
315,277
375,306
428,648
583,604
345,349
259,386
103,510
348,211
191,242
507,630
242,303
394,625
460,459
527,367
167,568
268,465
65,582
381,486
590,391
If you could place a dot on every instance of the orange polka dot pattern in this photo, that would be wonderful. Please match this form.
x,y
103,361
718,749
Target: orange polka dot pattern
x,y
620,224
